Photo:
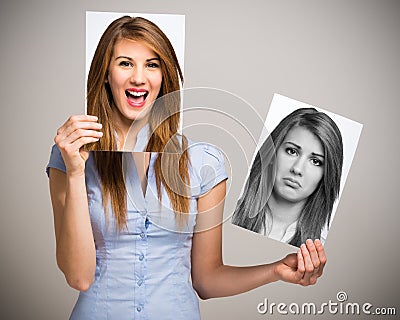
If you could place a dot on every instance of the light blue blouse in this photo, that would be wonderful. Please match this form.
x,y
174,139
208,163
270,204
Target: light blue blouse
x,y
144,272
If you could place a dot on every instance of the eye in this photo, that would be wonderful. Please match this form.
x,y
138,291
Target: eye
x,y
153,65
316,162
291,151
126,64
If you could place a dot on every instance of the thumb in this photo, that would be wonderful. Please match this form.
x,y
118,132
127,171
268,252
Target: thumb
x,y
290,260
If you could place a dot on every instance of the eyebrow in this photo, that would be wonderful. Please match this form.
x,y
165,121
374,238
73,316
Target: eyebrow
x,y
131,59
299,147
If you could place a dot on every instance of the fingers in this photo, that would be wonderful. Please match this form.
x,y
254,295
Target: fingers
x,y
76,127
313,255
79,133
300,262
78,122
76,119
308,265
314,259
301,268
321,255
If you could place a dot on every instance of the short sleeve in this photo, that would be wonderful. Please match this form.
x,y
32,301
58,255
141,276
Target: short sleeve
x,y
56,161
212,169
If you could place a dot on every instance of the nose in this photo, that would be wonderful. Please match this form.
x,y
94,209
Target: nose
x,y
138,76
298,166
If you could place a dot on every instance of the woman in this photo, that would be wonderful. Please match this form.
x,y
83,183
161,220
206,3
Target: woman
x,y
112,247
291,190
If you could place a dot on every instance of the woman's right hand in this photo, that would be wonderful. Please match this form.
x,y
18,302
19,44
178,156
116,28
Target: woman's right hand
x,y
77,131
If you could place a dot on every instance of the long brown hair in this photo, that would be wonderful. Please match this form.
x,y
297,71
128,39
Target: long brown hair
x,y
163,121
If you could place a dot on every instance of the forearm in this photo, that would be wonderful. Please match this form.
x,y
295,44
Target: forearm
x,y
211,278
76,255
214,279
226,280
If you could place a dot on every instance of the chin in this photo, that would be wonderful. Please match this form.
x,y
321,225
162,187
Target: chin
x,y
137,115
288,196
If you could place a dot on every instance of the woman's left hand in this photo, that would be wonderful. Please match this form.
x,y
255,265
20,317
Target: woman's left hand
x,y
305,267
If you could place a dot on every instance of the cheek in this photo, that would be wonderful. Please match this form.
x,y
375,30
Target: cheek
x,y
116,79
155,78
315,178
111,82
283,163
157,81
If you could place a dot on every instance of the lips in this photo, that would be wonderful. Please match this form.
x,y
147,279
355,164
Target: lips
x,y
292,182
136,97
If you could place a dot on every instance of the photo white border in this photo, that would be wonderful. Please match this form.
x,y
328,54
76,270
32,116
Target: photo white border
x,y
282,106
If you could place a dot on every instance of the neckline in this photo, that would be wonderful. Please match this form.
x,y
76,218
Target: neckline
x,y
135,194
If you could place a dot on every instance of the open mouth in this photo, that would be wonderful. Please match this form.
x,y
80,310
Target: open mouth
x,y
136,97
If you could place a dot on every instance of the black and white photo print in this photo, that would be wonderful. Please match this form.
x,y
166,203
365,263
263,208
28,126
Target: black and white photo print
x,y
298,172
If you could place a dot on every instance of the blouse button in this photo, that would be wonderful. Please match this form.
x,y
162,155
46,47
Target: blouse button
x,y
141,257
142,235
139,309
139,283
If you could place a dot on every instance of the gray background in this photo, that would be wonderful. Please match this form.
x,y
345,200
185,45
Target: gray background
x,y
340,55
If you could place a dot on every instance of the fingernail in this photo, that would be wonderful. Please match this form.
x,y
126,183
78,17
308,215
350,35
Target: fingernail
x,y
309,241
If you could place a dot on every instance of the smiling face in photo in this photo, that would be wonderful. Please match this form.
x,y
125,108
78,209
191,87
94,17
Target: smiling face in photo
x,y
135,79
299,165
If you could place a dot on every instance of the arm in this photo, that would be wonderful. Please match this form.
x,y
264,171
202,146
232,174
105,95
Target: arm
x,y
75,249
211,278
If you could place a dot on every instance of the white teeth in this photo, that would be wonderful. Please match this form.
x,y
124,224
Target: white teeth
x,y
137,94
